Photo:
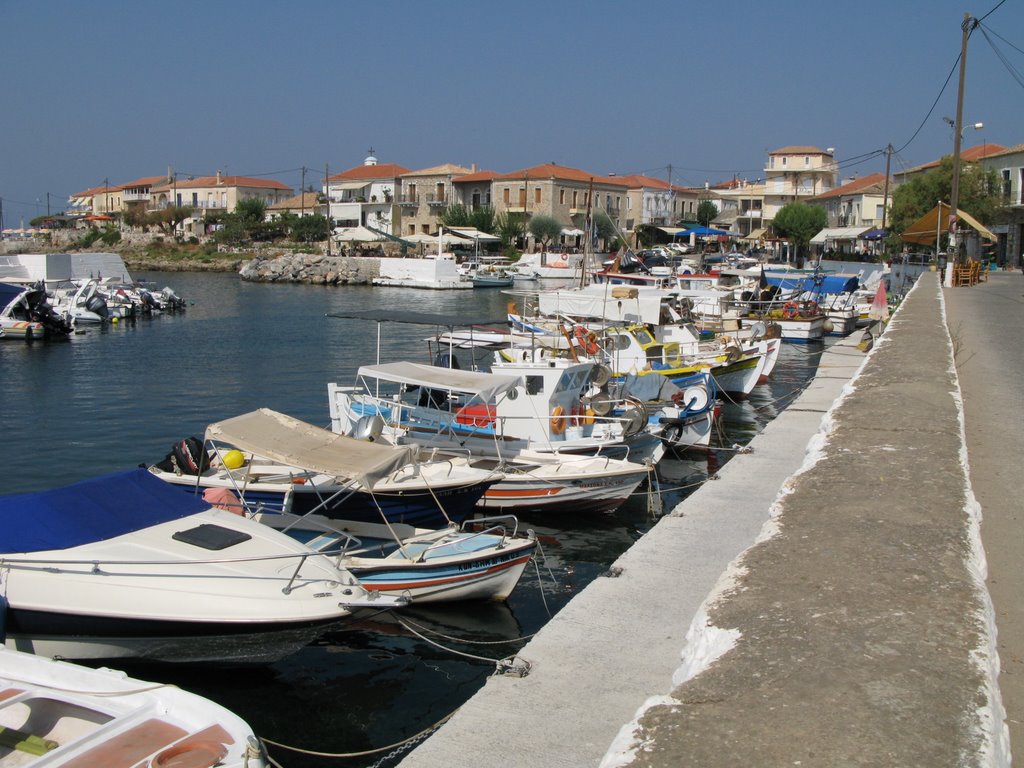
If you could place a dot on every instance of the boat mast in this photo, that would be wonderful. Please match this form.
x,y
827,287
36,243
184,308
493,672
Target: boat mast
x,y
588,226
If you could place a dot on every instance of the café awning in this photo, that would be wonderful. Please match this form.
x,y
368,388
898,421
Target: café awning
x,y
838,233
925,230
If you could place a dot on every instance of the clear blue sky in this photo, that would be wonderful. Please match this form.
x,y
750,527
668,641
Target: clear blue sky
x,y
118,90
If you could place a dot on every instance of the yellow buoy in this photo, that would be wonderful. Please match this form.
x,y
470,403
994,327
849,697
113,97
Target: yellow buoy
x,y
233,459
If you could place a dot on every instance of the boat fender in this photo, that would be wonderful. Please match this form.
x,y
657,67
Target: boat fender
x,y
588,416
557,420
672,433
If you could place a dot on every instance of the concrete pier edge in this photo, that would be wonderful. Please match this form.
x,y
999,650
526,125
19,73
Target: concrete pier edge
x,y
615,652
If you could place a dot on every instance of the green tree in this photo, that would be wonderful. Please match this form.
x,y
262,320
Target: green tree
x,y
979,194
168,219
455,215
306,229
545,229
800,222
605,229
706,213
509,227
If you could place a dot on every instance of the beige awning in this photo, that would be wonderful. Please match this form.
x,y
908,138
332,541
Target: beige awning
x,y
925,230
755,234
281,438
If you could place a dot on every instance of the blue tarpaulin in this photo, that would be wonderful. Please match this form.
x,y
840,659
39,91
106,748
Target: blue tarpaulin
x,y
704,232
92,510
874,234
815,283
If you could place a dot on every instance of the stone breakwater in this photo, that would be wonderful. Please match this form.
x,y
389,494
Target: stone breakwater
x,y
314,269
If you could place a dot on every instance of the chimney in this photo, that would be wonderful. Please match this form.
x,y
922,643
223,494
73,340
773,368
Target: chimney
x,y
472,168
218,177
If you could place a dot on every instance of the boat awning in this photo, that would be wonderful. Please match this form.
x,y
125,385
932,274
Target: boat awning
x,y
485,386
417,318
925,230
282,438
90,511
838,233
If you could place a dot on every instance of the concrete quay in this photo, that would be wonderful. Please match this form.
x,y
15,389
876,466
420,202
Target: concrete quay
x,y
822,602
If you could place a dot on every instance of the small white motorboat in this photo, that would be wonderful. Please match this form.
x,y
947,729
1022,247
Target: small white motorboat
x,y
126,566
68,716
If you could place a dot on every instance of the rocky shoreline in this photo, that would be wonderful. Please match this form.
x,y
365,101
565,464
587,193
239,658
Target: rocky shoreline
x,y
311,269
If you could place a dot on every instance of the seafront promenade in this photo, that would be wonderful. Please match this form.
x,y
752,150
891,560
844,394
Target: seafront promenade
x,y
823,601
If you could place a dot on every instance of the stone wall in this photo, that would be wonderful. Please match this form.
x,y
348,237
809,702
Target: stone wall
x,y
310,268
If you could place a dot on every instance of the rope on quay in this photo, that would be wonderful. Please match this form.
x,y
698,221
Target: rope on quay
x,y
395,749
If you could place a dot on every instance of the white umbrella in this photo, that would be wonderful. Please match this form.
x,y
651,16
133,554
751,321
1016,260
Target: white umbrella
x,y
447,238
357,235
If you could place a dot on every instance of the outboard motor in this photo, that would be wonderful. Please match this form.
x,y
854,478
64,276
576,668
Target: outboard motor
x,y
98,305
40,311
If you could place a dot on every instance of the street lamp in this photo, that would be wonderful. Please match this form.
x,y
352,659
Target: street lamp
x,y
952,124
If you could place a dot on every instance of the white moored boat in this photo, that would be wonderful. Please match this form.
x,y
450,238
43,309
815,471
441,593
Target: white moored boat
x,y
64,715
125,566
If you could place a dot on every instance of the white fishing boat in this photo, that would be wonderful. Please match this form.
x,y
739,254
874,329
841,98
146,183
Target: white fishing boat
x,y
482,560
548,266
126,566
53,713
350,497
482,414
288,465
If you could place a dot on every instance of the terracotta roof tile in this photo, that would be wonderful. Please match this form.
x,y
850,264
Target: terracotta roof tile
x,y
476,177
306,199
874,183
561,172
441,170
360,172
798,150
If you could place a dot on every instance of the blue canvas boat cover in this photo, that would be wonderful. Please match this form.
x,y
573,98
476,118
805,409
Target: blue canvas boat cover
x,y
90,511
820,284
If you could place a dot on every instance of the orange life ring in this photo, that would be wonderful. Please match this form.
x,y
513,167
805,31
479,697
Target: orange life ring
x,y
587,339
790,309
809,308
557,420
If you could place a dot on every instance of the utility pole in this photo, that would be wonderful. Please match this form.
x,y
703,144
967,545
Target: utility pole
x,y
330,227
302,192
885,193
967,26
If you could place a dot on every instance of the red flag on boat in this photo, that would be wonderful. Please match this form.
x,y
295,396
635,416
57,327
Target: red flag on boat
x,y
880,306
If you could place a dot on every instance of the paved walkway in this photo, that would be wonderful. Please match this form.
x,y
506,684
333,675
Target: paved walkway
x,y
985,323
849,625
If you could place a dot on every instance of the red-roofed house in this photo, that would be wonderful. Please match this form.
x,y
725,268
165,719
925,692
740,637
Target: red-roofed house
x,y
213,194
857,203
969,155
561,192
365,195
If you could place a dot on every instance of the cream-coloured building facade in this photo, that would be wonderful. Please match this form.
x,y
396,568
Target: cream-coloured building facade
x,y
796,174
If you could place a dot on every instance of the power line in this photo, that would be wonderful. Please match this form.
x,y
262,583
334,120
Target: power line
x,y
1006,62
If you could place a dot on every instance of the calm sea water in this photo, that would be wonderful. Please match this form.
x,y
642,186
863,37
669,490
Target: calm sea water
x,y
111,398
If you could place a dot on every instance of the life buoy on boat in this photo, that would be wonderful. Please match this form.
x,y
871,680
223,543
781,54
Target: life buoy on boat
x,y
586,338
809,309
790,309
576,418
557,420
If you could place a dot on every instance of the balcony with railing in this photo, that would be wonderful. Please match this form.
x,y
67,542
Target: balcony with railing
x,y
135,196
435,201
408,201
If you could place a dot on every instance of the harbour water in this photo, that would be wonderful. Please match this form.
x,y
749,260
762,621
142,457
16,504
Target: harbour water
x,y
111,398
